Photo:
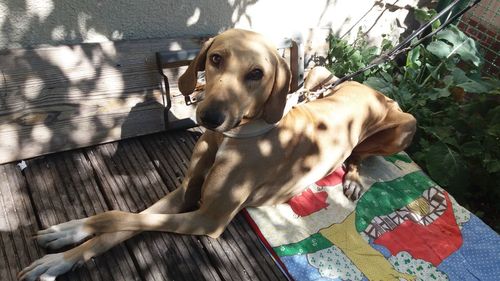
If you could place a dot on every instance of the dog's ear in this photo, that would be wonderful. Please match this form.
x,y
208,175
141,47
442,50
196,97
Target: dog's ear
x,y
275,104
187,81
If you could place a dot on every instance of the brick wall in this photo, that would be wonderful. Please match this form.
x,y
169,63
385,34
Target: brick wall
x,y
483,24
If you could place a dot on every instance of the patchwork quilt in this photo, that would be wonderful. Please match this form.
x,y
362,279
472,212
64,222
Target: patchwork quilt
x,y
404,227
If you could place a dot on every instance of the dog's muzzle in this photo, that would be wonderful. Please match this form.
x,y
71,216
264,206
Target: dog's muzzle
x,y
211,119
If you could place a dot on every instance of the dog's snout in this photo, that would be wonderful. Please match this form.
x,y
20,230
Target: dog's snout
x,y
212,119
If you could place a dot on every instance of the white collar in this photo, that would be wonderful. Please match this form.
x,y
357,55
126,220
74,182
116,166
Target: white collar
x,y
250,129
259,127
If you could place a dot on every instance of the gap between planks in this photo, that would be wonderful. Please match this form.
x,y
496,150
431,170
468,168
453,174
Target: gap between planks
x,y
246,257
163,158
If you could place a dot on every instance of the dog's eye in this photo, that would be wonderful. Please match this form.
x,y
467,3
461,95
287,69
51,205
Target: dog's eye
x,y
255,75
215,59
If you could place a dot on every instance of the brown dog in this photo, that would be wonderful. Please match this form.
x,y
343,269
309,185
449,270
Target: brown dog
x,y
241,160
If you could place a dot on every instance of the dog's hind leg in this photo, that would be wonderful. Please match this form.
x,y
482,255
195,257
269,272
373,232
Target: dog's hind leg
x,y
351,184
386,142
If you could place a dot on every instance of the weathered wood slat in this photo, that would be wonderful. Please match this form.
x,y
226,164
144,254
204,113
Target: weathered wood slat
x,y
237,258
58,98
221,250
172,167
17,223
197,256
257,250
131,183
63,188
130,175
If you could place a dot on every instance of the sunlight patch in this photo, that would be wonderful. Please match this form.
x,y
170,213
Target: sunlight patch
x,y
41,9
192,20
33,87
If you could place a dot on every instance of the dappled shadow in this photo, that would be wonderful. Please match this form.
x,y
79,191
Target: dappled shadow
x,y
57,98
70,96
48,117
67,22
52,190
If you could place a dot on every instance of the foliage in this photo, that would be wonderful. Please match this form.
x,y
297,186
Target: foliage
x,y
344,58
458,113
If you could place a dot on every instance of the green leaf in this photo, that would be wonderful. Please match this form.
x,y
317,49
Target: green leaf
x,y
494,130
493,166
447,167
462,45
432,70
440,132
493,84
413,58
469,85
436,25
423,15
494,115
440,49
471,148
443,92
387,77
379,84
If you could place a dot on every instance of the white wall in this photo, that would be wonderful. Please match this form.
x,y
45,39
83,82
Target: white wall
x,y
25,23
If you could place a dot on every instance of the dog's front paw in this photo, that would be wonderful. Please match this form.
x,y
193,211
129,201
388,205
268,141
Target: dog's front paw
x,y
47,268
63,234
352,188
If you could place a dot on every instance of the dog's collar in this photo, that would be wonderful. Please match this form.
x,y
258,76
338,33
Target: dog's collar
x,y
258,127
250,129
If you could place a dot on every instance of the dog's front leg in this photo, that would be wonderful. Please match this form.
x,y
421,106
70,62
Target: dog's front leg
x,y
182,199
210,219
223,194
52,265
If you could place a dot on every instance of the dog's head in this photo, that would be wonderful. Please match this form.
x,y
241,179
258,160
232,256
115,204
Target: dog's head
x,y
245,79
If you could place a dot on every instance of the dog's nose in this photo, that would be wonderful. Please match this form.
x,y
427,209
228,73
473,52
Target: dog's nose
x,y
212,119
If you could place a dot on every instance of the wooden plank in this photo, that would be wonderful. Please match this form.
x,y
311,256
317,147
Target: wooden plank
x,y
63,188
17,223
58,98
131,183
238,261
172,167
238,253
255,248
253,258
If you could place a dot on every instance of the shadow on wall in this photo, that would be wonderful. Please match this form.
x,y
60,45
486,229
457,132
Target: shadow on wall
x,y
29,23
83,94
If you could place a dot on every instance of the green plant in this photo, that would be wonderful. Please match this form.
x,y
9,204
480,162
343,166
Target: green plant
x,y
458,112
344,58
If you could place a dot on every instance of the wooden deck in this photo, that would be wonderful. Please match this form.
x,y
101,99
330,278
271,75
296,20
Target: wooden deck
x,y
127,175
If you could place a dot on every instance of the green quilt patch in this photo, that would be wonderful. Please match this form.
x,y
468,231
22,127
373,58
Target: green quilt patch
x,y
381,199
385,197
311,244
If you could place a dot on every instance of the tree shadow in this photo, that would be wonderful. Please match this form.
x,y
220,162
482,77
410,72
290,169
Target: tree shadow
x,y
40,98
49,100
79,95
